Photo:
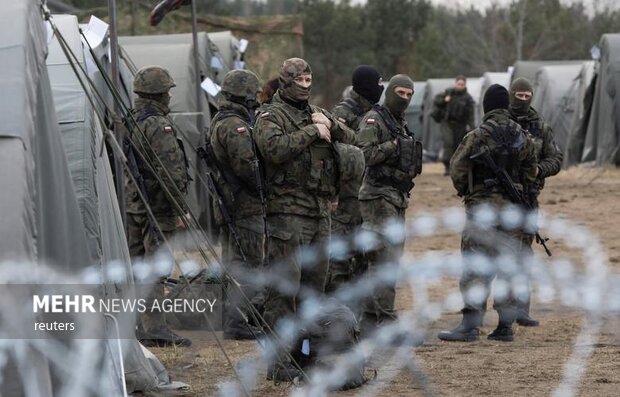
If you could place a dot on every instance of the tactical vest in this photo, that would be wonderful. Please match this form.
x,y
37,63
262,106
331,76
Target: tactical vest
x,y
314,170
509,142
398,173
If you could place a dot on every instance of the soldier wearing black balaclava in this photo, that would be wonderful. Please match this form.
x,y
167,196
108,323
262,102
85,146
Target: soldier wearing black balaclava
x,y
393,158
501,247
549,157
366,91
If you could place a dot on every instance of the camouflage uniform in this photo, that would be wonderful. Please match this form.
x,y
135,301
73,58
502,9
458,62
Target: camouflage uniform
x,y
231,141
301,177
458,119
347,216
384,194
548,154
156,139
351,110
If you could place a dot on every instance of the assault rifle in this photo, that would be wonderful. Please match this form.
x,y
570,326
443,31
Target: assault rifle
x,y
507,184
208,156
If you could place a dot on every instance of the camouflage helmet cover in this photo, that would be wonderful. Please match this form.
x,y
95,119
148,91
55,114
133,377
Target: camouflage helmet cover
x,y
292,68
241,83
152,80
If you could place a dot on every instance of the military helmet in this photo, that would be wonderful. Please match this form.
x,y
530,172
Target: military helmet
x,y
241,83
152,80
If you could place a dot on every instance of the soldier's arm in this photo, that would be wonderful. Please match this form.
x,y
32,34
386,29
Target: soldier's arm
x,y
233,137
340,131
440,100
170,164
368,140
550,161
461,164
529,164
275,145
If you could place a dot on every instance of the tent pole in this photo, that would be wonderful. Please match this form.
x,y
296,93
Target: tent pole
x,y
120,177
199,94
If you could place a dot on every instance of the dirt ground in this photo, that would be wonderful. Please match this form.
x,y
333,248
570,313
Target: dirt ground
x,y
532,365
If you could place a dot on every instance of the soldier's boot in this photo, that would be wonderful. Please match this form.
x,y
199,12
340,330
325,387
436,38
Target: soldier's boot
x,y
241,331
504,331
467,331
283,372
160,337
523,317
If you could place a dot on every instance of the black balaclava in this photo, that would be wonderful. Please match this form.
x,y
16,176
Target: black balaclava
x,y
291,69
393,102
518,106
495,97
367,82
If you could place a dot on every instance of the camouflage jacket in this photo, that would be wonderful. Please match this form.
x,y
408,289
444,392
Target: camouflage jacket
x,y
158,140
347,212
549,155
380,151
301,170
352,110
460,109
230,136
461,165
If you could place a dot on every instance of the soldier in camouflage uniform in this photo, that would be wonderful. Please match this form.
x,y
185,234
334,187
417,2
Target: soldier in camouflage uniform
x,y
346,218
366,92
393,158
458,109
512,150
295,140
549,157
233,147
155,137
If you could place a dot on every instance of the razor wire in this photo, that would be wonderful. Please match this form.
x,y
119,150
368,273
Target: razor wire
x,y
587,285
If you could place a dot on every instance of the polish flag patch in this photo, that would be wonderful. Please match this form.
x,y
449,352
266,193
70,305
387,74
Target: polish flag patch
x,y
343,121
168,129
264,115
370,121
241,130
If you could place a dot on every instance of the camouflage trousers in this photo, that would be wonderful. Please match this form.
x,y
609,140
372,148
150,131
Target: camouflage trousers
x,y
143,242
451,136
296,263
490,252
245,272
345,263
378,308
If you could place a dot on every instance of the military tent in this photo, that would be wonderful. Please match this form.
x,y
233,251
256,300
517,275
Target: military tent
x,y
557,96
581,116
61,219
528,69
601,143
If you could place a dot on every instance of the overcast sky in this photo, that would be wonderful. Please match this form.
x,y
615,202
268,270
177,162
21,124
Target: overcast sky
x,y
482,4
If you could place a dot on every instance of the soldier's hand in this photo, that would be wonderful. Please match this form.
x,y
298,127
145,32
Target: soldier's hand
x,y
320,118
447,98
324,133
333,206
181,221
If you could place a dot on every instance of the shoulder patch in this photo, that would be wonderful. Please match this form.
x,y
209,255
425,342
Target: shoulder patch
x,y
343,121
240,130
370,121
264,115
168,129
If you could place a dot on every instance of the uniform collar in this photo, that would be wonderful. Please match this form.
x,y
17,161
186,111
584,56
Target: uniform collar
x,y
141,103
